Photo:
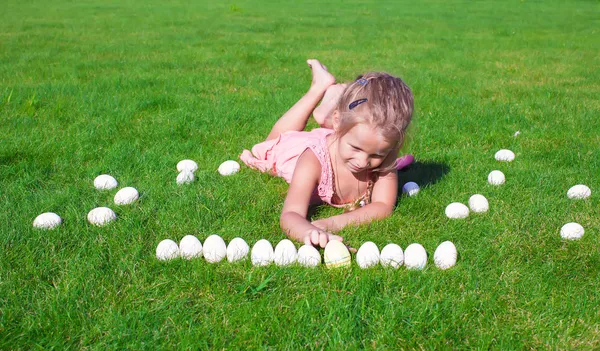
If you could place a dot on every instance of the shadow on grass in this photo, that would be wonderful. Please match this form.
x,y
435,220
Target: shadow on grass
x,y
422,173
12,158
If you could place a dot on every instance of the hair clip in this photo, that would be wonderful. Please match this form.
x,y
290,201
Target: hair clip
x,y
362,81
355,103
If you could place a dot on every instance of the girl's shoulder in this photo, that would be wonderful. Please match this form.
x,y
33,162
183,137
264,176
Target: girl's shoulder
x,y
317,144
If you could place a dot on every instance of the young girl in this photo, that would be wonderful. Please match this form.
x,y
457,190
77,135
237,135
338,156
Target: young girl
x,y
349,163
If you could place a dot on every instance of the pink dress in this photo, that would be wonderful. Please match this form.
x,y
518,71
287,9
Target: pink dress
x,y
279,157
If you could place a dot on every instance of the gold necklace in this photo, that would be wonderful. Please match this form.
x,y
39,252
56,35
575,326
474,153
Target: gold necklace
x,y
339,188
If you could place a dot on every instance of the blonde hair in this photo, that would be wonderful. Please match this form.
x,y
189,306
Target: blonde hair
x,y
388,107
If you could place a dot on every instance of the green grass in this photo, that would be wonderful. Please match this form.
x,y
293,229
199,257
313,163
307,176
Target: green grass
x,y
130,88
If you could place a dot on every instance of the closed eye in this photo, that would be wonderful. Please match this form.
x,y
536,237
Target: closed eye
x,y
356,148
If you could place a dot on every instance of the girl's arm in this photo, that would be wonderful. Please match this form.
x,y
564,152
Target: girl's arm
x,y
383,200
293,219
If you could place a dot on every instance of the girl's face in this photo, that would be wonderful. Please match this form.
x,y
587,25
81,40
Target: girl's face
x,y
362,148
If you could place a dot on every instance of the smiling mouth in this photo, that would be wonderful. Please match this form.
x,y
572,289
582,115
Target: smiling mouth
x,y
355,169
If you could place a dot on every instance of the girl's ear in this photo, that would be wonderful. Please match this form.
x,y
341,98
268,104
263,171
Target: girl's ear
x,y
335,119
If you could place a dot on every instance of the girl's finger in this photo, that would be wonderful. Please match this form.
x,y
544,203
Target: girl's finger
x,y
307,240
323,240
314,238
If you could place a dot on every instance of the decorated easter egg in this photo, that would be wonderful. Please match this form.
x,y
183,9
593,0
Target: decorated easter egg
x,y
336,254
410,188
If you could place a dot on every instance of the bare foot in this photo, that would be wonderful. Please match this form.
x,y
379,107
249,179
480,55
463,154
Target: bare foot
x,y
321,78
246,157
251,161
323,112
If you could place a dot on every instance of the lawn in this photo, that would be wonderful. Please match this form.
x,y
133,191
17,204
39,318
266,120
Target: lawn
x,y
130,88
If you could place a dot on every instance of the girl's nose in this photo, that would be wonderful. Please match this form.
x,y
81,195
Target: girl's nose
x,y
363,163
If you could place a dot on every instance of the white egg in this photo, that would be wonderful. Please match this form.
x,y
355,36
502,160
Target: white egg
x,y
572,231
517,133
505,155
285,253
190,247
445,255
392,256
214,249
457,210
496,178
367,255
309,256
336,254
126,196
415,256
105,182
187,165
410,188
185,177
167,250
478,203
579,191
228,168
237,250
47,220
101,216
262,253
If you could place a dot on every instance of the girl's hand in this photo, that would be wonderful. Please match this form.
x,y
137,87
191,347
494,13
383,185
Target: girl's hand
x,y
320,223
319,237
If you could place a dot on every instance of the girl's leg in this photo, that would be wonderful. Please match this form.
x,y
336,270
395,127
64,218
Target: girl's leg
x,y
296,117
324,111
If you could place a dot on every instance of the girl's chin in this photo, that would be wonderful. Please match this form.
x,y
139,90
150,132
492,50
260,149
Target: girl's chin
x,y
355,170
